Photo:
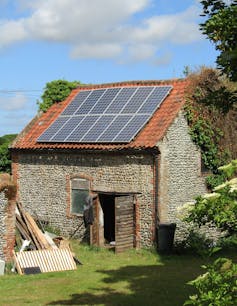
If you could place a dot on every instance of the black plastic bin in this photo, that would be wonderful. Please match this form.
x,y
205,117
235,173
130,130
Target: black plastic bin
x,y
165,237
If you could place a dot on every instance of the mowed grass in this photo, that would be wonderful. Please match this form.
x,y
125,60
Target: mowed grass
x,y
132,278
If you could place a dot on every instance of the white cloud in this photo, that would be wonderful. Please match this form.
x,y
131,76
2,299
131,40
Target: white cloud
x,y
13,103
140,52
178,28
98,50
11,32
163,59
101,28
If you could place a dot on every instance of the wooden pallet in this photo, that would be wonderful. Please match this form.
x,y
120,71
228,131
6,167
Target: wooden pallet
x,y
40,261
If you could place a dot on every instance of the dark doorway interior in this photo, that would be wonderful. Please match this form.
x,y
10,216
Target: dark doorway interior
x,y
107,203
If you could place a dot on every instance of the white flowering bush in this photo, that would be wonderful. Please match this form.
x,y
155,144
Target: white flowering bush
x,y
218,286
218,207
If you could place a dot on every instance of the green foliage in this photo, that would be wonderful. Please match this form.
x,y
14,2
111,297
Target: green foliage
x,y
209,99
214,180
56,91
228,243
219,207
230,169
206,137
198,244
221,29
5,160
218,286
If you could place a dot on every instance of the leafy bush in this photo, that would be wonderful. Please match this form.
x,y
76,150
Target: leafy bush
x,y
5,160
197,243
218,286
214,180
228,243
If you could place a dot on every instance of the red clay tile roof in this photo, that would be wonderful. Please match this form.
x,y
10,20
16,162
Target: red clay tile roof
x,y
148,137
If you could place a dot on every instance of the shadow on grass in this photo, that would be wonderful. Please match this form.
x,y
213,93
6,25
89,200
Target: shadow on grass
x,y
163,285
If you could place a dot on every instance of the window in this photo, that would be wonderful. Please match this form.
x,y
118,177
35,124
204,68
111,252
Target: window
x,y
79,191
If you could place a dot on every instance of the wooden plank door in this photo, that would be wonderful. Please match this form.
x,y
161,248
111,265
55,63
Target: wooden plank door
x,y
94,229
97,229
124,223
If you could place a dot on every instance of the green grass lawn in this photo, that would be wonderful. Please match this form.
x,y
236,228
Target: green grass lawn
x,y
133,278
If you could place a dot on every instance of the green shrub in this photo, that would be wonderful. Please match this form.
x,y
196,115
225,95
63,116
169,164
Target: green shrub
x,y
214,180
55,92
217,287
197,243
5,159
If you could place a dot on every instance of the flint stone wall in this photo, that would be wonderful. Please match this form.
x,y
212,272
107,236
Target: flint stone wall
x,y
181,179
43,177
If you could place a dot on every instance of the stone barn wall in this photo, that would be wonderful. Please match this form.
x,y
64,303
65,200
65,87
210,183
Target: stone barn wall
x,y
44,189
180,176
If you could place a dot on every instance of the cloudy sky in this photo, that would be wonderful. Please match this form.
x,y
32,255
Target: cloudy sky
x,y
93,41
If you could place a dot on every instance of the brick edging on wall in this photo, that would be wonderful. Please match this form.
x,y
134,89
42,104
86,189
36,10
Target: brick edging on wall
x,y
7,219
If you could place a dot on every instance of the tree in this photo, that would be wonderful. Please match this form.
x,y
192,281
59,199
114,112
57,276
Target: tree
x,y
5,161
56,91
221,29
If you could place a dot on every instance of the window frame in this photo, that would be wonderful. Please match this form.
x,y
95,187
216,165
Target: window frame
x,y
73,186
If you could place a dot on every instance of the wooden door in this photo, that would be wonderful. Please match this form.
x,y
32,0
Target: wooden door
x,y
124,223
94,229
97,229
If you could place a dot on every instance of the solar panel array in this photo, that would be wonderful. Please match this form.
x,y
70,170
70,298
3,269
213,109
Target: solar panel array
x,y
106,115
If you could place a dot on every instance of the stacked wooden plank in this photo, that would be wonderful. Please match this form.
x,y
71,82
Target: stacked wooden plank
x,y
29,229
46,256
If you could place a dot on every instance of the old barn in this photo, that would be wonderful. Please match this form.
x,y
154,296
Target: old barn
x,y
126,146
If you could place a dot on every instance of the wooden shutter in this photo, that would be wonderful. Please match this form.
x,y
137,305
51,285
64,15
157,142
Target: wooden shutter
x,y
124,223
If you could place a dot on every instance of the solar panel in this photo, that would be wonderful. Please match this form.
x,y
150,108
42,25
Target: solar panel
x,y
106,115
137,99
131,129
120,101
106,101
158,94
66,129
53,129
90,101
98,128
85,124
114,128
78,100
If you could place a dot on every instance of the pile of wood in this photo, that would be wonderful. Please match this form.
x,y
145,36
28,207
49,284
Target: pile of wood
x,y
43,254
30,231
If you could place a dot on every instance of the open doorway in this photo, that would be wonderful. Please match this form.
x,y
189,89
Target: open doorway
x,y
114,221
107,203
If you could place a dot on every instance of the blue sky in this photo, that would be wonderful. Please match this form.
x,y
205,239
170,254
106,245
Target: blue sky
x,y
93,41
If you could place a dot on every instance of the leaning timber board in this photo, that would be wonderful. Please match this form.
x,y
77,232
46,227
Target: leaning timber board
x,y
45,260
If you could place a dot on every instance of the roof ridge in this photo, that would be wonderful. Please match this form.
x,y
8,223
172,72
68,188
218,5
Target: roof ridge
x,y
132,83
